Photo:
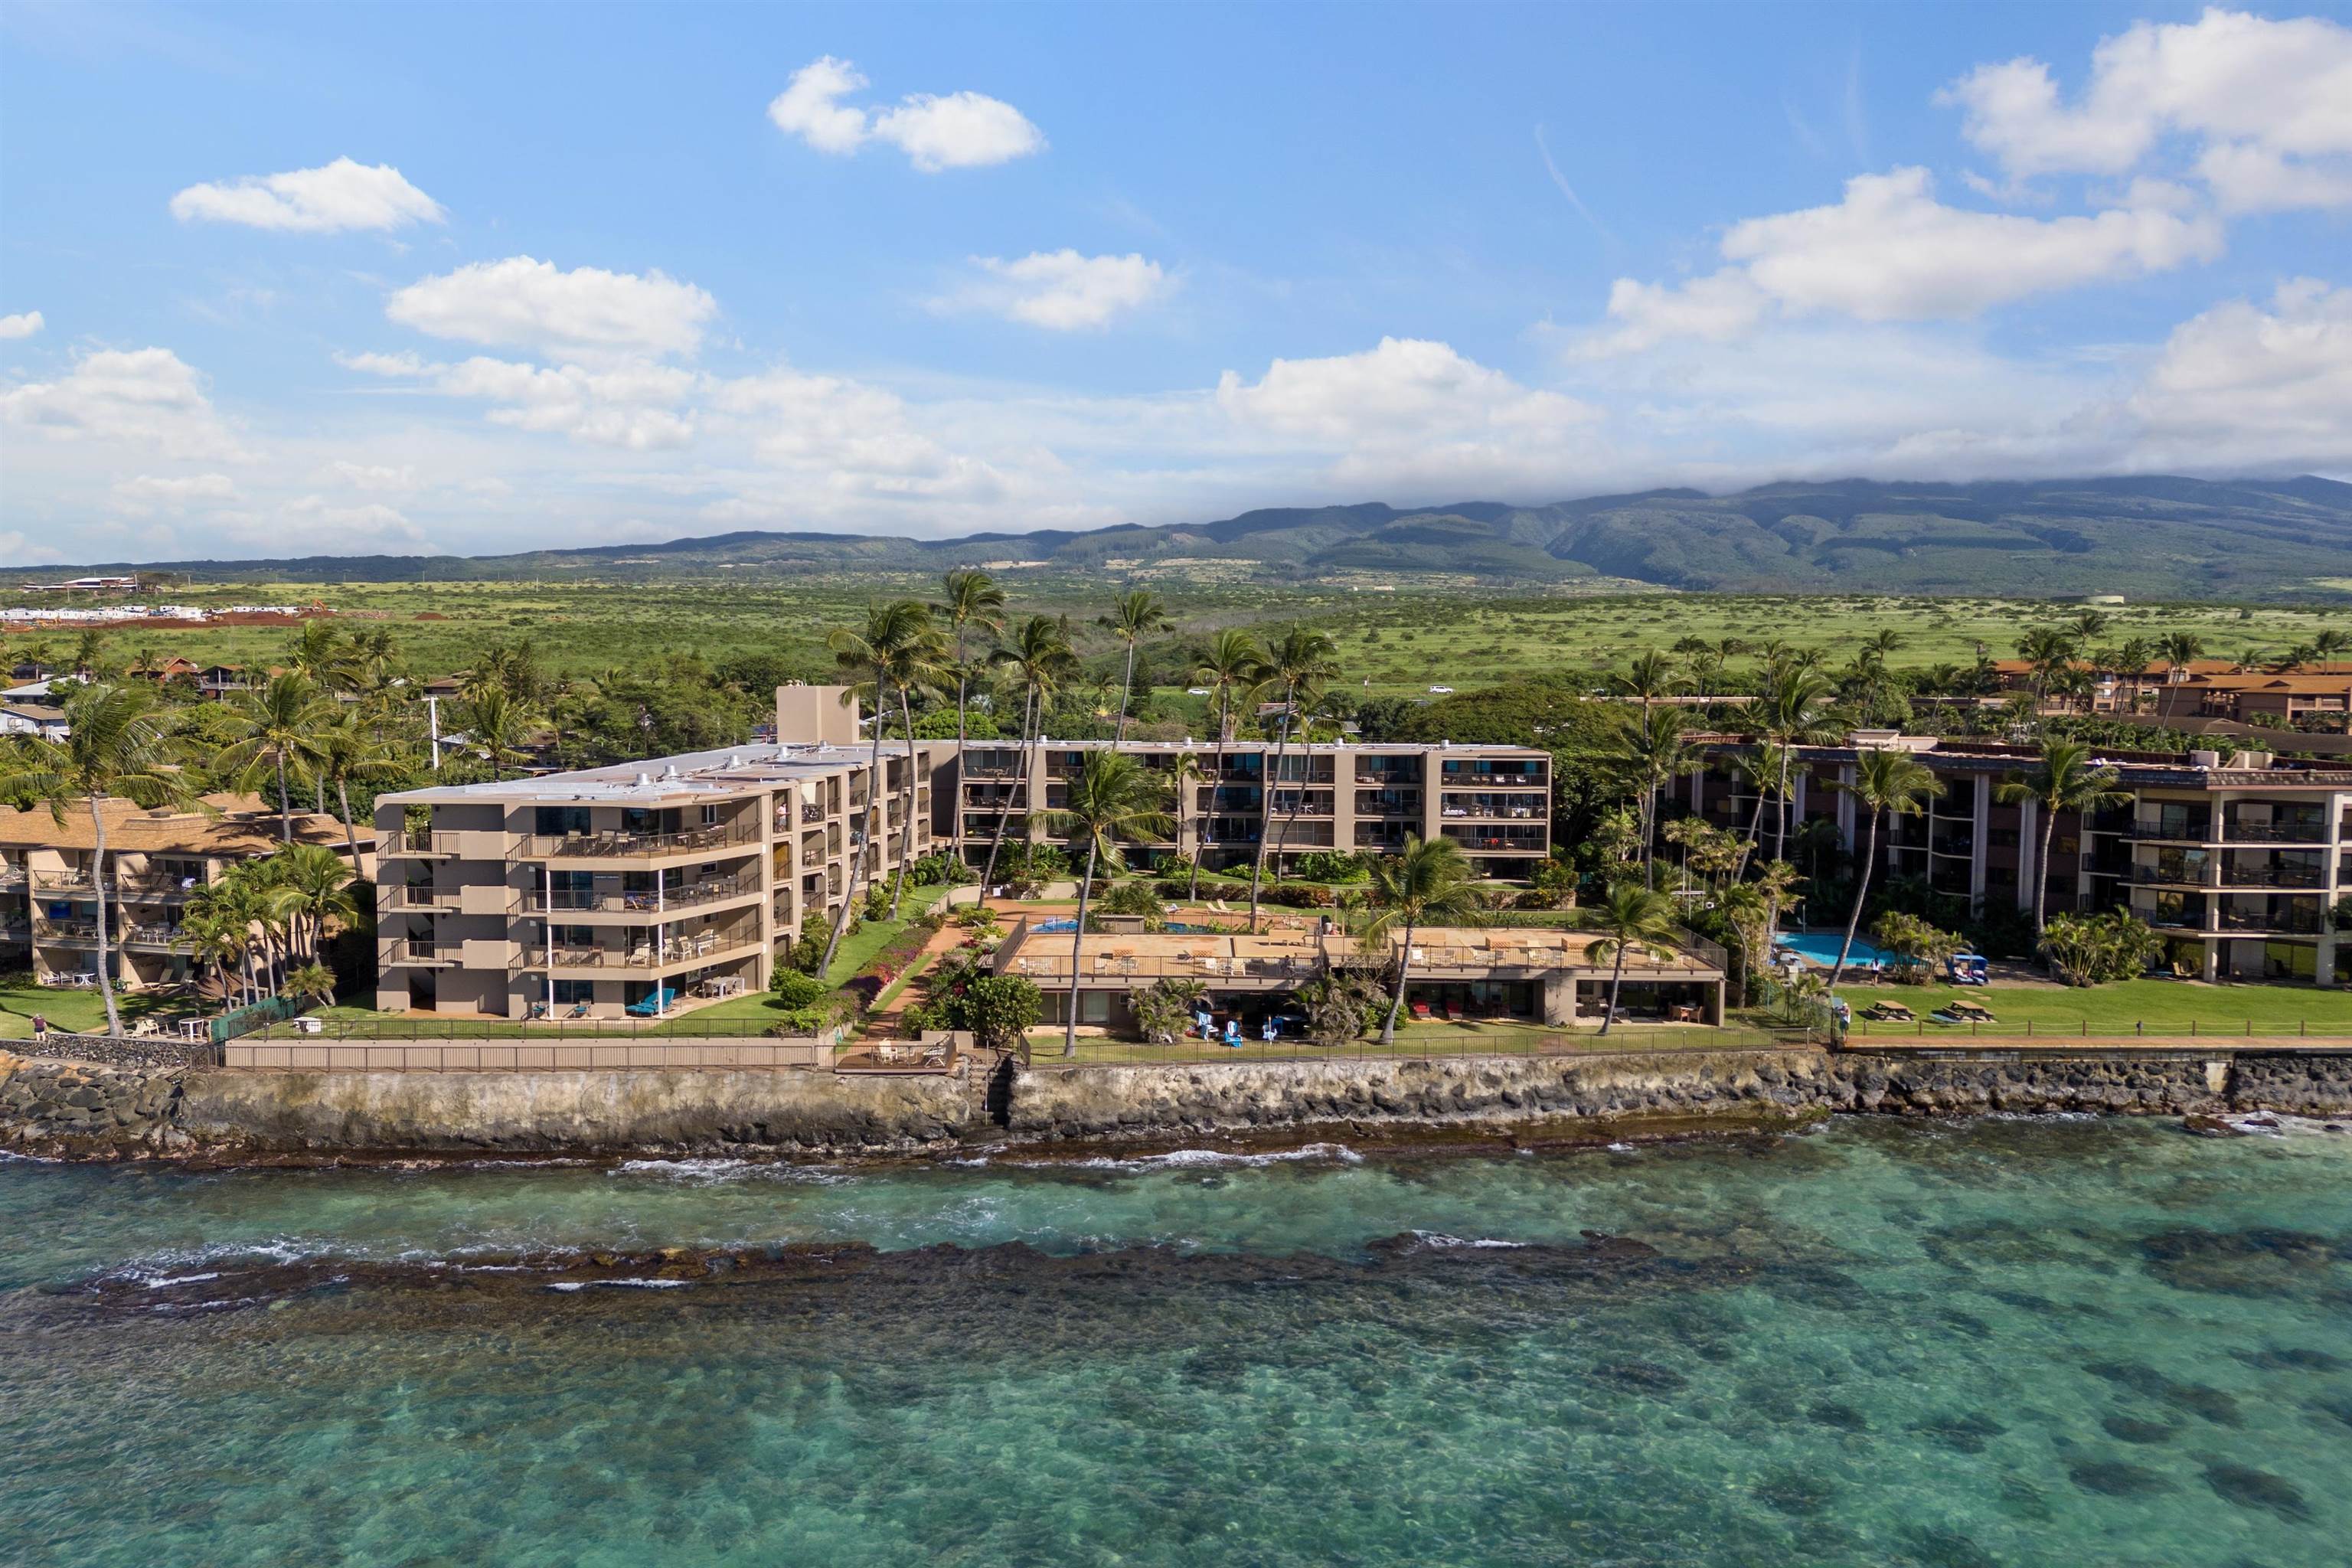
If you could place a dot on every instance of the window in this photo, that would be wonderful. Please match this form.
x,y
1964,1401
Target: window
x,y
553,821
571,993
2001,837
710,816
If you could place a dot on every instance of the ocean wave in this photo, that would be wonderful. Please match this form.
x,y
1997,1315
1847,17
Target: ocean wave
x,y
1206,1159
165,1281
2274,1125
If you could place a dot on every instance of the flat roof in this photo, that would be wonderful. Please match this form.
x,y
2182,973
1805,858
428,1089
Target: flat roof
x,y
668,781
1207,955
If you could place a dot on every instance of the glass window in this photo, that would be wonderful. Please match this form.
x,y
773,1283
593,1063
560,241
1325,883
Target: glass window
x,y
556,820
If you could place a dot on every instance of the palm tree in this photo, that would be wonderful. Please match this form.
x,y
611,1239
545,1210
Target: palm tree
x,y
970,601
1298,666
316,651
1650,677
923,663
1654,753
90,648
873,657
1791,711
2046,650
1111,801
497,722
212,938
1040,659
1630,917
1885,781
310,885
1137,615
1232,662
278,726
1428,881
2181,649
2062,780
115,744
2087,624
348,754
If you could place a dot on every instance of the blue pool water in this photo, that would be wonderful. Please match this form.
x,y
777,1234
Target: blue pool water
x,y
1069,925
1821,947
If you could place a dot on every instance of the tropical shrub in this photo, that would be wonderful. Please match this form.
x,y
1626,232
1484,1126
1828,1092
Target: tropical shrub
x,y
2089,950
1922,947
1332,865
793,989
1299,896
941,867
959,992
1341,1007
1164,1009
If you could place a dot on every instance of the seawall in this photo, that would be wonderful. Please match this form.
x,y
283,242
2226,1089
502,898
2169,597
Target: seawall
x,y
77,1110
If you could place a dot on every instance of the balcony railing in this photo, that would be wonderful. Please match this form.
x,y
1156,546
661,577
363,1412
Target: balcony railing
x,y
1302,802
685,948
2275,832
69,883
639,846
418,896
1481,839
1512,807
1498,775
65,931
2296,921
417,841
1388,802
151,936
2148,829
1403,774
639,902
420,950
2274,876
2173,876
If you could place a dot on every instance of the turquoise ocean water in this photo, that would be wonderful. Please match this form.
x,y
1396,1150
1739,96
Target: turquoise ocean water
x,y
2001,1341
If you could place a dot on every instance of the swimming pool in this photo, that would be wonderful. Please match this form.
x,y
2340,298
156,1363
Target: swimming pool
x,y
1821,947
1067,924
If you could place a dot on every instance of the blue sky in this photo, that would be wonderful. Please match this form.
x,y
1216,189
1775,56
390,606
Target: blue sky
x,y
473,278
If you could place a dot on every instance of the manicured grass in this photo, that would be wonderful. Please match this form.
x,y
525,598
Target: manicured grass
x,y
1424,1040
858,950
2126,1008
76,1011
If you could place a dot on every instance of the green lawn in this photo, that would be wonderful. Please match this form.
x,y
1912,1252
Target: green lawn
x,y
856,951
2126,1008
78,1011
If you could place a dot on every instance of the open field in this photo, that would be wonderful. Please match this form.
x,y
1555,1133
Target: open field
x,y
1398,643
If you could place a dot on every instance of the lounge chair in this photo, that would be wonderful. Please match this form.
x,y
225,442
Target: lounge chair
x,y
653,1005
1420,1011
579,1010
1454,1012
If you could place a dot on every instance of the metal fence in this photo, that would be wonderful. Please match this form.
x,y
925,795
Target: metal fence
x,y
1417,1044
2113,1030
336,1030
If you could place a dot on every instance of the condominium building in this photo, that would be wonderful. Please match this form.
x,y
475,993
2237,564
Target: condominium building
x,y
2239,865
50,879
641,887
1494,801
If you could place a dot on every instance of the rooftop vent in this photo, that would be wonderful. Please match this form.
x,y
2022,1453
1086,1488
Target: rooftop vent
x,y
644,781
669,773
2204,759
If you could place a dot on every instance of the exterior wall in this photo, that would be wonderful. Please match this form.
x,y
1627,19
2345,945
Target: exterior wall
x,y
1494,800
496,902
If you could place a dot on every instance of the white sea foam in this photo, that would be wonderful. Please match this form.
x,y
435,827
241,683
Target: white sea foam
x,y
570,1285
1439,1238
1206,1159
164,1282
2272,1124
717,1172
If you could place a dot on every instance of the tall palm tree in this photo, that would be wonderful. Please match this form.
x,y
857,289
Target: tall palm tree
x,y
1134,617
2063,779
1300,665
970,601
1654,753
2181,649
1792,709
1427,882
278,725
310,885
1234,662
1765,768
872,656
497,722
212,938
1651,675
316,652
1631,918
1886,781
1111,802
2047,650
348,754
922,662
1040,659
115,744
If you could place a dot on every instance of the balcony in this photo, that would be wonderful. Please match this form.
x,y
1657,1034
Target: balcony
x,y
1480,839
1388,802
146,887
151,936
1228,800
2150,830
2310,876
67,884
715,840
1958,844
413,952
1495,775
645,953
417,841
2295,919
1303,803
1382,835
1286,835
634,901
1494,807
418,897
2173,876
74,933
1404,771
2276,832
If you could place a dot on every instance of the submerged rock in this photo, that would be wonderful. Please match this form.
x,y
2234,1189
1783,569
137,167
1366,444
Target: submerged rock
x,y
2253,1489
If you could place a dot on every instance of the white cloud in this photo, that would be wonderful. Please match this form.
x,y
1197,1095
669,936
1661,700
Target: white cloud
x,y
342,196
525,303
1060,290
22,325
313,525
1891,252
146,490
2244,384
957,131
2264,95
382,477
402,363
628,403
146,397
855,438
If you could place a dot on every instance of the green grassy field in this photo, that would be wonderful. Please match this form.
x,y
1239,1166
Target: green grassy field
x,y
1398,643
2154,1006
76,1011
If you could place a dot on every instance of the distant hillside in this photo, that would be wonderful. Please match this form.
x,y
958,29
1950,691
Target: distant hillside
x,y
2147,538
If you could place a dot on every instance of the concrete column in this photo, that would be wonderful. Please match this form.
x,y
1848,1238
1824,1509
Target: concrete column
x,y
1560,1000
1979,830
1848,829
2029,851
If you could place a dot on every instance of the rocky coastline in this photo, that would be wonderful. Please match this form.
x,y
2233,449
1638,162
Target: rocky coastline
x,y
74,1110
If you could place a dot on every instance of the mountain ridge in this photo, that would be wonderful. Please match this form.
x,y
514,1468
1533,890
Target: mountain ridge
x,y
2152,536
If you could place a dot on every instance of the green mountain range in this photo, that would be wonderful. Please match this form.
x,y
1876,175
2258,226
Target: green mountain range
x,y
2146,538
